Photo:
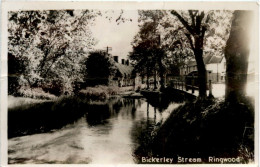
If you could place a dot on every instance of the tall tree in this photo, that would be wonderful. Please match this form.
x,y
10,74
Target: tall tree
x,y
54,42
99,68
198,25
237,53
141,58
147,42
197,31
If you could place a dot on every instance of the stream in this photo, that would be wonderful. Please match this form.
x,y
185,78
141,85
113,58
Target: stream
x,y
107,133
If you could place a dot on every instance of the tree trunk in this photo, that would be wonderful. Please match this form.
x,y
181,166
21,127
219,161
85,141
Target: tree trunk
x,y
147,77
197,30
162,81
202,72
161,75
237,53
154,83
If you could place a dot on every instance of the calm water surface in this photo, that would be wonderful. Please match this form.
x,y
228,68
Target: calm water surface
x,y
107,133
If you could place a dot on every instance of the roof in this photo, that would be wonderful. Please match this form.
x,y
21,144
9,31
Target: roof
x,y
209,58
124,69
215,60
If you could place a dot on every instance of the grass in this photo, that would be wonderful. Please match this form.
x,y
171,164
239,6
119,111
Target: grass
x,y
43,117
99,92
36,93
21,101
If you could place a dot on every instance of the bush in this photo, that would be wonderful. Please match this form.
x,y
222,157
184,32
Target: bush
x,y
98,93
55,87
36,93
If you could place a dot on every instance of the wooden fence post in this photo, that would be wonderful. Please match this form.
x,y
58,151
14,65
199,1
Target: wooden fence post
x,y
210,88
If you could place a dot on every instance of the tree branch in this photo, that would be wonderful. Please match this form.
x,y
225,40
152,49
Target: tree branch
x,y
183,21
207,19
192,17
202,15
198,22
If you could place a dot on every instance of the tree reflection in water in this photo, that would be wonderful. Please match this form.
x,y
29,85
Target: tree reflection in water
x,y
105,132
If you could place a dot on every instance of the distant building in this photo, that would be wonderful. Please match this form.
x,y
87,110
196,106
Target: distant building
x,y
124,73
215,66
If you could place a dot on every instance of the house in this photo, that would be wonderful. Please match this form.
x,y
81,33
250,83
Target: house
x,y
123,75
215,65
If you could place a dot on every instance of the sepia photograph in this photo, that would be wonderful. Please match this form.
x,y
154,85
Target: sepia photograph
x,y
130,84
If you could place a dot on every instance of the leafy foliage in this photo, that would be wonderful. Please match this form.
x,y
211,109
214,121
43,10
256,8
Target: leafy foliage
x,y
196,25
147,51
183,35
99,68
50,44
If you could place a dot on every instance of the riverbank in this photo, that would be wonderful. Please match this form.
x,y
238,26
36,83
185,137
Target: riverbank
x,y
43,116
200,129
101,92
30,115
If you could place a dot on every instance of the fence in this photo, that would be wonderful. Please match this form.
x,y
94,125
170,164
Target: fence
x,y
187,83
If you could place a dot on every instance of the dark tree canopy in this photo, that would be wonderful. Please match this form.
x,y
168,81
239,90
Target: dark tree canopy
x,y
99,68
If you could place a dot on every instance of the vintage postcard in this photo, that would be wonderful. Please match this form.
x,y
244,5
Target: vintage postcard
x,y
121,83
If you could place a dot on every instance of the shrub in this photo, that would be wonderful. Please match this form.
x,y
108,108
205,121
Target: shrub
x,y
36,93
98,93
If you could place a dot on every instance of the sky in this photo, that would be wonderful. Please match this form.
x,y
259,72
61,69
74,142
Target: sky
x,y
118,36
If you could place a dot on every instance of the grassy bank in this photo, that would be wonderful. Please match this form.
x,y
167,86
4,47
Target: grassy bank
x,y
35,93
98,93
45,116
37,115
202,129
101,92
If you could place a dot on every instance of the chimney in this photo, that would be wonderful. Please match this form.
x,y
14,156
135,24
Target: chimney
x,y
127,62
116,59
123,61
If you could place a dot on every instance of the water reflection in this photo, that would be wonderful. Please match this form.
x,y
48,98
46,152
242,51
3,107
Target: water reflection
x,y
108,133
98,114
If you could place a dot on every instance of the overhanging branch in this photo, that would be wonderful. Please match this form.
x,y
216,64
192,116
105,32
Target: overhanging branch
x,y
183,21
